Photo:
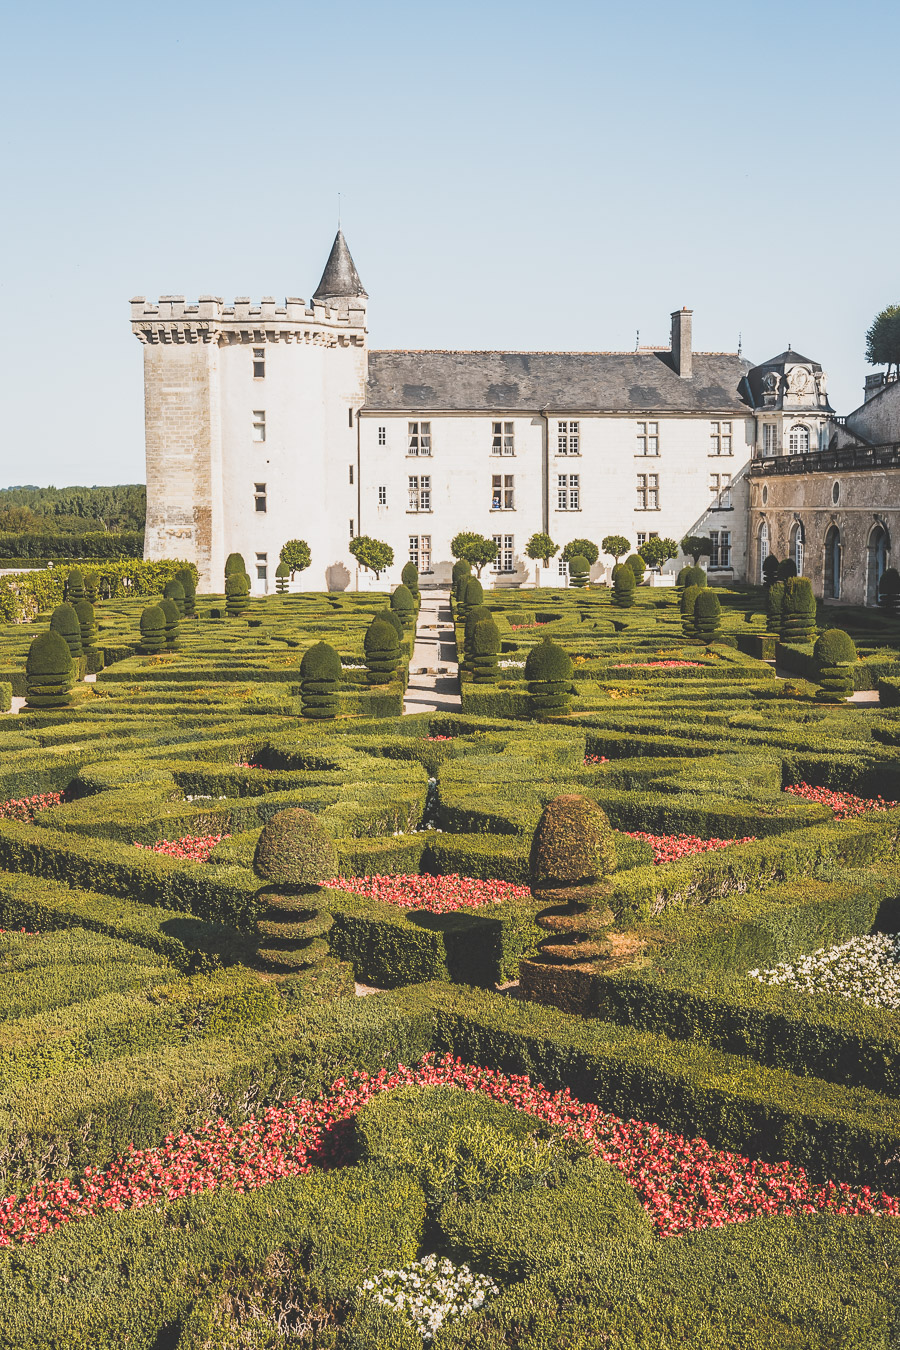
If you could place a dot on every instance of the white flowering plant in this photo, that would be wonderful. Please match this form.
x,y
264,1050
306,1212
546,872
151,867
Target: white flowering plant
x,y
865,968
430,1292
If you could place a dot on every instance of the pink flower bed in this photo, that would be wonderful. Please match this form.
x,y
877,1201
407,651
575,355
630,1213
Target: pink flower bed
x,y
439,738
684,1184
17,932
437,895
26,808
519,627
242,765
669,848
844,805
595,759
192,848
659,665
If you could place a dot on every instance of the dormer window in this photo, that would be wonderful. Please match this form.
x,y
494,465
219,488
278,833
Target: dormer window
x,y
798,441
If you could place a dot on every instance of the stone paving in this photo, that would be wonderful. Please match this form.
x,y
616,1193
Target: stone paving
x,y
434,674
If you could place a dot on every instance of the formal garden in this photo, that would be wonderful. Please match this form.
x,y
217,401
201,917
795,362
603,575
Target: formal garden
x,y
564,1020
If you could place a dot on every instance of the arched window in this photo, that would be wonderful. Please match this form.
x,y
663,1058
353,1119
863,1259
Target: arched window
x,y
798,441
877,551
798,539
763,547
833,563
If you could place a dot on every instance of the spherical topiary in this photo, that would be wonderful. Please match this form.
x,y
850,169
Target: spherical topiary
x,y
87,623
174,591
173,619
282,576
295,850
75,586
834,655
548,669
485,646
49,671
707,615
637,565
153,629
798,611
774,601
404,605
410,578
237,594
64,621
92,586
623,586
688,603
573,844
695,576
382,650
472,595
787,568
579,571
889,591
320,674
770,570
185,576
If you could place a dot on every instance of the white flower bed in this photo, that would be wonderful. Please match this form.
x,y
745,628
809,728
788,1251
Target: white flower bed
x,y
865,968
431,1292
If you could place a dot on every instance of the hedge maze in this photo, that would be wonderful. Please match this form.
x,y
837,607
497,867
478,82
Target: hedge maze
x,y
208,1138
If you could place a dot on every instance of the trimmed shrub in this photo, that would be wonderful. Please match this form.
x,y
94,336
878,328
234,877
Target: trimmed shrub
x,y
49,671
787,568
472,595
153,629
64,621
282,574
173,618
623,586
186,577
573,844
681,580
473,617
75,586
410,578
92,586
548,670
579,571
174,591
834,655
707,616
404,605
393,618
87,623
689,598
485,647
460,574
774,602
889,591
296,854
237,594
637,565
382,651
798,611
695,576
234,563
320,674
770,570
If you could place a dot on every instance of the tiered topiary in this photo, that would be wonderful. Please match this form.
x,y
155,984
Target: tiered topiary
x,y
787,568
237,594
382,648
320,676
75,586
173,619
889,591
774,601
49,672
548,670
579,571
234,563
798,611
835,656
64,621
573,855
404,606
473,616
410,578
174,591
623,586
460,575
153,629
282,575
87,624
770,570
392,617
688,603
682,578
294,854
485,648
186,577
707,615
92,586
472,595
695,576
637,565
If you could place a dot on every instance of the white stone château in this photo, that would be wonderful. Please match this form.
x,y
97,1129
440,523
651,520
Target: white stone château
x,y
270,422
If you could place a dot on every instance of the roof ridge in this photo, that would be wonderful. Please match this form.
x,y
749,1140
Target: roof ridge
x,y
520,351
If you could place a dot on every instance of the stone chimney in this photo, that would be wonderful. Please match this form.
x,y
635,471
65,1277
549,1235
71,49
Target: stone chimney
x,y
681,342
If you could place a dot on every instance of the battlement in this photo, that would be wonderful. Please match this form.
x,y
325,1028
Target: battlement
x,y
171,320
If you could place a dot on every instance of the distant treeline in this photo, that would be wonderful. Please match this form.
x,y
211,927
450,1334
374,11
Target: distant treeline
x,y
72,510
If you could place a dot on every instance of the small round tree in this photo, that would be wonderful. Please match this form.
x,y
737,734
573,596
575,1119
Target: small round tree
x,y
372,554
174,591
64,621
295,855
237,594
770,570
637,565
548,670
87,623
889,591
49,672
707,615
173,620
295,555
92,586
579,571
798,611
835,656
541,548
153,629
382,650
403,604
623,586
688,602
485,647
787,568
473,548
410,578
282,573
697,546
655,552
320,675
75,586
186,577
616,546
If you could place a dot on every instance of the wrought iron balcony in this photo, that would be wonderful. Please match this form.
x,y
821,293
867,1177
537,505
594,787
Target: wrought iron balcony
x,y
848,458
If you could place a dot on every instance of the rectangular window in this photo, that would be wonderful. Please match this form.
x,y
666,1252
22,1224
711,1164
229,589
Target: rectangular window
x,y
648,438
259,496
350,417
420,492
720,488
502,492
420,551
259,426
352,531
568,492
262,566
770,440
502,439
382,496
562,566
350,467
419,438
647,492
382,435
504,560
641,539
721,548
720,438
259,363
568,438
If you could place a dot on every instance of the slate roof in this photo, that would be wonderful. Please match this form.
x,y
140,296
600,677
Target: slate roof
x,y
788,358
340,276
546,381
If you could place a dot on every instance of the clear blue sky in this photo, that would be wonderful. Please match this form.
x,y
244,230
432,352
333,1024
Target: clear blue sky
x,y
514,175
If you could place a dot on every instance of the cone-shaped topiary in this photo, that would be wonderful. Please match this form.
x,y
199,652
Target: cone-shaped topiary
x,y
623,586
404,606
460,574
92,586
75,586
798,611
770,570
889,591
282,576
235,563
573,844
87,623
835,656
579,571
237,594
153,629
320,674
707,615
174,591
774,601
189,586
485,648
548,669
64,621
472,595
49,672
787,568
688,602
410,578
382,650
637,565
173,619
296,854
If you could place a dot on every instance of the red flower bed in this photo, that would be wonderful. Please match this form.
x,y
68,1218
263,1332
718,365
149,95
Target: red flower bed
x,y
659,665
673,847
518,627
192,848
844,805
242,765
439,738
595,759
684,1184
26,808
17,932
437,895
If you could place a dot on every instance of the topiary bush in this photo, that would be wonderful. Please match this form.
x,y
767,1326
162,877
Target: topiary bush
x,y
186,578
92,586
548,670
460,574
688,603
695,576
573,845
173,620
485,647
153,629
889,591
296,854
403,604
472,595
49,672
393,618
774,601
64,621
237,594
282,575
75,586
320,674
834,655
579,571
798,611
174,591
473,617
87,623
637,565
234,563
682,579
770,570
410,578
707,616
624,586
787,568
382,650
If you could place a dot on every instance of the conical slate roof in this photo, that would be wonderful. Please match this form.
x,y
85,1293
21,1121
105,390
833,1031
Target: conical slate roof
x,y
340,277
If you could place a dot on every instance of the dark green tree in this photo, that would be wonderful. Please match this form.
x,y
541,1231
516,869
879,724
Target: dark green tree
x,y
798,611
49,672
656,552
372,554
883,339
697,546
296,555
296,855
382,648
282,573
616,545
581,548
579,571
64,621
623,586
153,629
637,565
707,615
835,656
770,570
485,648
